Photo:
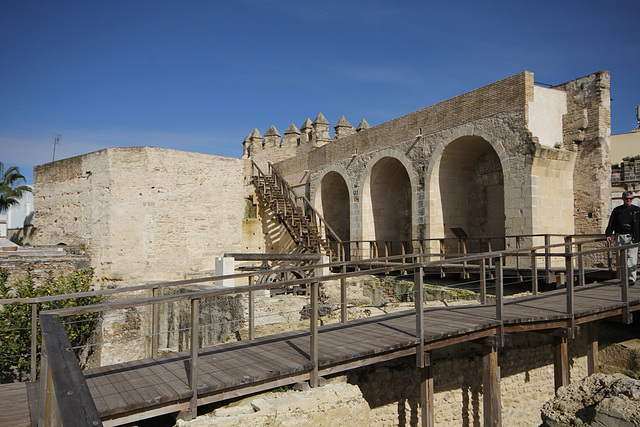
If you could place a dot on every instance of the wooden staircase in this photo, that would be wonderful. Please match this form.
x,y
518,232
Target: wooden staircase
x,y
305,225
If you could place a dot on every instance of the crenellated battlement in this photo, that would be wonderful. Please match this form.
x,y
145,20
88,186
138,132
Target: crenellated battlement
x,y
312,134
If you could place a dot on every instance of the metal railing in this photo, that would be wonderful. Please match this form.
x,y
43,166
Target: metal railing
x,y
492,262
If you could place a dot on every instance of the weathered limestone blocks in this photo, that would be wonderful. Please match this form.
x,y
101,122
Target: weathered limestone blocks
x,y
338,402
143,213
597,400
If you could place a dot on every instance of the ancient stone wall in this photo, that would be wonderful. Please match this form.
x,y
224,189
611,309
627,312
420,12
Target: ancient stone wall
x,y
587,130
442,148
39,265
144,213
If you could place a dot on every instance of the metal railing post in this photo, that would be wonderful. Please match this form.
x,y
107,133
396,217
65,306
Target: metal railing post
x,y
195,344
34,342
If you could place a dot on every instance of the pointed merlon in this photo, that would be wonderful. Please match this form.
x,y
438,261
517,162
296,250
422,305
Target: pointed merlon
x,y
363,126
292,129
272,132
343,123
306,125
256,134
320,120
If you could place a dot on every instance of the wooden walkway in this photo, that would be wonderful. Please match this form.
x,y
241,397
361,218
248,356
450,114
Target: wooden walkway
x,y
240,368
149,387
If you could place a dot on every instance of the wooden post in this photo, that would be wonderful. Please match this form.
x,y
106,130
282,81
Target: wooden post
x,y
570,296
581,279
465,274
500,299
534,272
560,362
491,399
252,313
66,395
427,392
442,250
314,334
34,342
155,325
483,282
627,317
418,286
343,297
46,387
547,259
592,348
193,372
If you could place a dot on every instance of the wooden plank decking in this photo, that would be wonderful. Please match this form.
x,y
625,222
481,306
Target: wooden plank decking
x,y
148,387
239,368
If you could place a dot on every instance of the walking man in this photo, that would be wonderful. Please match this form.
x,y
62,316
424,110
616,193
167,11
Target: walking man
x,y
624,223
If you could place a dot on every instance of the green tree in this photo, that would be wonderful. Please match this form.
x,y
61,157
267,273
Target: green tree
x,y
15,319
11,189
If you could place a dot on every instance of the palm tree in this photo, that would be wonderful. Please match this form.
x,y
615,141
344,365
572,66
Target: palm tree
x,y
10,190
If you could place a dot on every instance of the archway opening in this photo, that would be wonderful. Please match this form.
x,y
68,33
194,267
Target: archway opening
x,y
389,220
471,188
335,204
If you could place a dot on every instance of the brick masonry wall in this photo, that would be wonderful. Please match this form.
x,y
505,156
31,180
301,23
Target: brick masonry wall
x,y
144,213
499,97
64,264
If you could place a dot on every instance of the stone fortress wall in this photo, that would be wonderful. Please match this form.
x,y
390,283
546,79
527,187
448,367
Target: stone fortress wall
x,y
508,158
144,213
511,157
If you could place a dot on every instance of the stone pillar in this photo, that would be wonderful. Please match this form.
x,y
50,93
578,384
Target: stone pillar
x,y
224,266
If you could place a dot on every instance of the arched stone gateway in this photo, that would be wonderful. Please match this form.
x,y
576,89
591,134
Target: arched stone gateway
x,y
386,206
334,204
467,191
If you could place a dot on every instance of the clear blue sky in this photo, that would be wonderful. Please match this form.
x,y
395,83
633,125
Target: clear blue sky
x,y
200,75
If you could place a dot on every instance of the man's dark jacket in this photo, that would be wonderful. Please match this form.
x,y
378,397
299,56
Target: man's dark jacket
x,y
617,223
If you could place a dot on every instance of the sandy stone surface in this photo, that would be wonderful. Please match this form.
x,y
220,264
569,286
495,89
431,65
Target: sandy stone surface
x,y
597,400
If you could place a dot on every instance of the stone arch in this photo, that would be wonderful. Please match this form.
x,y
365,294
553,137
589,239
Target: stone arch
x,y
466,187
389,195
333,200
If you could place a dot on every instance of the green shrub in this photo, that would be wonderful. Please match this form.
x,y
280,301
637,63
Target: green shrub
x,y
15,319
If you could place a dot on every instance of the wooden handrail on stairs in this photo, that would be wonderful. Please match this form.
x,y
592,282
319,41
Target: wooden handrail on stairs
x,y
302,221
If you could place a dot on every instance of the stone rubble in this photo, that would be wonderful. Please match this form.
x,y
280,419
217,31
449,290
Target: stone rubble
x,y
335,403
597,400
